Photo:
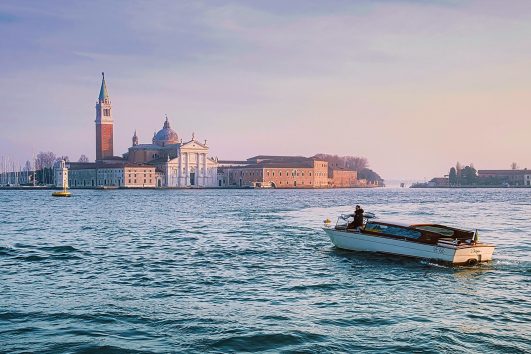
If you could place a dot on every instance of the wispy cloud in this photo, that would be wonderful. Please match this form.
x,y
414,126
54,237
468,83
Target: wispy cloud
x,y
273,76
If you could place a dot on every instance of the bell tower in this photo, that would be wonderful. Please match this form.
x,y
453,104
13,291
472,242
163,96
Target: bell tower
x,y
104,124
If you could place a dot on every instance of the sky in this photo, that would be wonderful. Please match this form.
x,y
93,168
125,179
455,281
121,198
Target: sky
x,y
413,86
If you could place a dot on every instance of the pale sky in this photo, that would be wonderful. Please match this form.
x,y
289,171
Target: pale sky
x,y
414,86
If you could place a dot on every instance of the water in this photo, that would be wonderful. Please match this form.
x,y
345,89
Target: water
x,y
163,271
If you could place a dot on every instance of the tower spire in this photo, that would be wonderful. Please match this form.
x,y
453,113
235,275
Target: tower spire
x,y
135,139
104,95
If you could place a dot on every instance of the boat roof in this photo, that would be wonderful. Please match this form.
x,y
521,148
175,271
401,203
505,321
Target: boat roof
x,y
415,225
389,222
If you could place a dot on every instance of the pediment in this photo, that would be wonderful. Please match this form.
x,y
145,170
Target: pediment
x,y
193,145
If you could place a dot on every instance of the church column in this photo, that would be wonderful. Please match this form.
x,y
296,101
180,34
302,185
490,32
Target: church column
x,y
197,168
180,171
205,175
167,174
187,180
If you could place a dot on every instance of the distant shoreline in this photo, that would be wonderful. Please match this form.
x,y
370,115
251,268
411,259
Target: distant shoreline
x,y
31,188
467,187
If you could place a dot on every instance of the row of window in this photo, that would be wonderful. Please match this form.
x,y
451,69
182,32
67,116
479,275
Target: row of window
x,y
135,181
134,175
104,182
293,173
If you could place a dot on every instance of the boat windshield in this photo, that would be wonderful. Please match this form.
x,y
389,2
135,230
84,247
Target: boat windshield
x,y
392,230
436,229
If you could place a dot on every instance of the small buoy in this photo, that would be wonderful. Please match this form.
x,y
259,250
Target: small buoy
x,y
61,194
327,221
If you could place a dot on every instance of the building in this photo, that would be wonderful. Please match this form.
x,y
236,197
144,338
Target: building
x,y
119,175
342,178
104,124
509,177
182,164
17,178
166,162
439,182
275,172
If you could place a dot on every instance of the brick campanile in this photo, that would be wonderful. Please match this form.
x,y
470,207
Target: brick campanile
x,y
104,124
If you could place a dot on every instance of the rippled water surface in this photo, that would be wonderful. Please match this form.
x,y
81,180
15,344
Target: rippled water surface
x,y
157,271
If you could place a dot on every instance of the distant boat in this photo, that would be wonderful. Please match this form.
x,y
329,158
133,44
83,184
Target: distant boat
x,y
428,241
106,187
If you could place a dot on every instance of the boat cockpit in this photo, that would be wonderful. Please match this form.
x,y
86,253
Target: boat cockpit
x,y
424,233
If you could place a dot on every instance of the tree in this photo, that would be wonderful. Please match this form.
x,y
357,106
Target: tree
x,y
452,177
370,175
60,158
469,176
27,166
83,158
514,166
350,162
44,160
356,163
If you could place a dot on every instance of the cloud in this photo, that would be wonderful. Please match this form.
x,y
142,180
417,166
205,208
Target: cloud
x,y
276,77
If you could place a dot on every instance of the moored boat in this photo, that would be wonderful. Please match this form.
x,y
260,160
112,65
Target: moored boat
x,y
429,241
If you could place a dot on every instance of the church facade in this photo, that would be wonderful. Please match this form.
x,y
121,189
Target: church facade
x,y
183,164
166,162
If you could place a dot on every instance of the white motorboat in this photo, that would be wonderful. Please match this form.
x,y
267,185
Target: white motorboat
x,y
429,241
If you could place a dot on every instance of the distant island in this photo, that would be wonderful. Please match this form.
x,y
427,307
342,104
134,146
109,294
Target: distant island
x,y
469,177
168,161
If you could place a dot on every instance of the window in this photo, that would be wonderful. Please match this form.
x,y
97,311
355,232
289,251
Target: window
x,y
393,230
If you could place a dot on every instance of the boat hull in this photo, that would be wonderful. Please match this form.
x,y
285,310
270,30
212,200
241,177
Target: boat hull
x,y
457,255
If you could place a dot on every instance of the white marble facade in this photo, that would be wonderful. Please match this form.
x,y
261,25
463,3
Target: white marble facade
x,y
191,168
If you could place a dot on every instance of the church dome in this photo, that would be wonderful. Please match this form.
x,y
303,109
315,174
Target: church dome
x,y
166,136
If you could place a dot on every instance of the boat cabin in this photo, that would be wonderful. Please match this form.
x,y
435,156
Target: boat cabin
x,y
423,233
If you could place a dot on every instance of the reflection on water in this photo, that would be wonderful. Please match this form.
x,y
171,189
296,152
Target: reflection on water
x,y
251,270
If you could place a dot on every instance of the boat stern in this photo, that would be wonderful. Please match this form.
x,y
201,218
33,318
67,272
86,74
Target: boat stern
x,y
474,254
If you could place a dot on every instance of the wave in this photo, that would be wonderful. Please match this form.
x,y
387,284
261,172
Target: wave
x,y
264,341
59,249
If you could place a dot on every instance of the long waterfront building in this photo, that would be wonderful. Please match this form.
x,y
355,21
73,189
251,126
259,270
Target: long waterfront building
x,y
168,162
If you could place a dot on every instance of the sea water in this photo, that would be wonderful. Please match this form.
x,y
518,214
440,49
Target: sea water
x,y
169,271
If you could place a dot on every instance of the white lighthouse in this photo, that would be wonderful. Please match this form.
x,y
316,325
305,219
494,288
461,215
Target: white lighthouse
x,y
61,174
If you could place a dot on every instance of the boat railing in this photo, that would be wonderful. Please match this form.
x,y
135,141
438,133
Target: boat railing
x,y
344,220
